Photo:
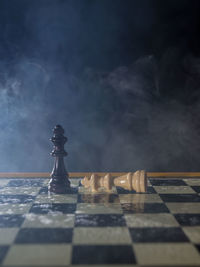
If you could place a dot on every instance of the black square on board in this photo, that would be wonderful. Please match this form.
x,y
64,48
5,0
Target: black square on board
x,y
44,235
158,234
196,188
180,197
198,247
99,220
26,182
10,220
3,251
167,182
188,219
141,207
16,199
44,208
103,255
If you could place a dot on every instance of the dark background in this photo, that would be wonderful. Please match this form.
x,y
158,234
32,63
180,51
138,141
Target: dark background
x,y
121,76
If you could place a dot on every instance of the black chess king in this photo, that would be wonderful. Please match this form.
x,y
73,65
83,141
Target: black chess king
x,y
59,182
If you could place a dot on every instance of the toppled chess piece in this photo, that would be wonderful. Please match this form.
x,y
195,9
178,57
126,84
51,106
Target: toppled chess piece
x,y
131,181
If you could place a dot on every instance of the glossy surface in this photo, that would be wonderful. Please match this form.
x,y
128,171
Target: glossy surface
x,y
158,228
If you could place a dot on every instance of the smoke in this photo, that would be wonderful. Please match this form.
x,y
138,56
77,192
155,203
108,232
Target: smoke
x,y
114,121
66,64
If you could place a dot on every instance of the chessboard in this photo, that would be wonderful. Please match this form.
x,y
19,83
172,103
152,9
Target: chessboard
x,y
123,228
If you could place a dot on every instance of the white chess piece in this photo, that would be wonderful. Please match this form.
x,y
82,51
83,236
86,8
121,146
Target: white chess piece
x,y
131,181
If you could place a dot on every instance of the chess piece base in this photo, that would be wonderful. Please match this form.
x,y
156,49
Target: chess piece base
x,y
59,186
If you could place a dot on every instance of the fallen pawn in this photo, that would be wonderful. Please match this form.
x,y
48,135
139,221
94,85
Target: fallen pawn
x,y
131,181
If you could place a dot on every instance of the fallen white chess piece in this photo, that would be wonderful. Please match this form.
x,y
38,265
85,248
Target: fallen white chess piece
x,y
131,181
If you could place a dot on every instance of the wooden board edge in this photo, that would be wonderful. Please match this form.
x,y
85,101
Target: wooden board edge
x,y
82,174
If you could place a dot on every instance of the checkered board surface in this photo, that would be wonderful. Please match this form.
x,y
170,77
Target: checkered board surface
x,y
158,228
